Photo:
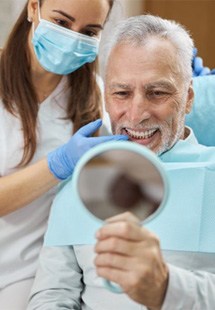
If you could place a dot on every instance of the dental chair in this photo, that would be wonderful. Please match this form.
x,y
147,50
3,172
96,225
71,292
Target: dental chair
x,y
202,117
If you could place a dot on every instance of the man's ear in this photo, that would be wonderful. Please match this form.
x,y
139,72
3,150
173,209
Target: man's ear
x,y
190,98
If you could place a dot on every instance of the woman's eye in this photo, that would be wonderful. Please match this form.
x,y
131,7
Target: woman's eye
x,y
62,23
91,33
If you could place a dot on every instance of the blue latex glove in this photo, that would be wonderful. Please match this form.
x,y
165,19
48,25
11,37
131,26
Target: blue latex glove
x,y
198,67
62,161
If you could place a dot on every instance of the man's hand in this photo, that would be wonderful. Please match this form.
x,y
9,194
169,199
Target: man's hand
x,y
130,256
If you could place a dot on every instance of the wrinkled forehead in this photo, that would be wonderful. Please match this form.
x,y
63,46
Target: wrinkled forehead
x,y
152,49
153,57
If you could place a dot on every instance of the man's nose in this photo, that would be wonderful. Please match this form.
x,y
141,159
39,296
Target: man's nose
x,y
139,109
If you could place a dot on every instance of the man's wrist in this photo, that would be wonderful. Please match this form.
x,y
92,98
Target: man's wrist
x,y
162,290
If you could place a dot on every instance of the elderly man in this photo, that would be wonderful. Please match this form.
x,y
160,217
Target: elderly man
x,y
148,91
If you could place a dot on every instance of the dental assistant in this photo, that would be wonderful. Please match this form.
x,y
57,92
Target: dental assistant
x,y
49,92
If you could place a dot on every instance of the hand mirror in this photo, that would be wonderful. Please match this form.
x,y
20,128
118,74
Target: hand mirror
x,y
119,177
116,177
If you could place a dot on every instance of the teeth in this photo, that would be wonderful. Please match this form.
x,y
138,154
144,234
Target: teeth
x,y
140,135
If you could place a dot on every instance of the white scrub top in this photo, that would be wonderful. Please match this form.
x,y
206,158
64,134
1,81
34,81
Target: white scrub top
x,y
21,232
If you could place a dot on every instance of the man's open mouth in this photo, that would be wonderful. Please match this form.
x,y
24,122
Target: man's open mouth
x,y
137,134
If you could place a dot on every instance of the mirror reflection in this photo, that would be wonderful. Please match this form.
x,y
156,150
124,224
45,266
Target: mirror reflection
x,y
117,181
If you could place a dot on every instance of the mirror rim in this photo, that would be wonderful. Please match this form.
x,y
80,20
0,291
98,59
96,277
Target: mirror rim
x,y
120,145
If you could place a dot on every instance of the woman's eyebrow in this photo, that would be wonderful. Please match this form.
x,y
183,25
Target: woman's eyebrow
x,y
73,19
95,26
65,14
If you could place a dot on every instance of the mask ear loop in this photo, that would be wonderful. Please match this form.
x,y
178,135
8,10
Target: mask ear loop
x,y
39,16
33,29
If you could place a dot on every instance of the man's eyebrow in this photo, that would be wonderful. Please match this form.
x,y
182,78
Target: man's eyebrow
x,y
119,85
164,84
73,19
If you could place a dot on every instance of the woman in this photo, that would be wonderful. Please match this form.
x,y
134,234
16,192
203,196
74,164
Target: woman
x,y
48,91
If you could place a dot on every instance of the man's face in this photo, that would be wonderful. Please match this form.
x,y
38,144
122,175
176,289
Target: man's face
x,y
145,94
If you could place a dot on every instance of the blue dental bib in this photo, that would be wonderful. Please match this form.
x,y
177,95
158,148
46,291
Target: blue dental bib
x,y
186,222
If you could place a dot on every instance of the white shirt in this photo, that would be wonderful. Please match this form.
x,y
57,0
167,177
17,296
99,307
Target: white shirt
x,y
21,232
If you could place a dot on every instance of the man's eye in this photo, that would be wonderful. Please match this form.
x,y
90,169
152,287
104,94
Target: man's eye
x,y
157,94
121,93
62,23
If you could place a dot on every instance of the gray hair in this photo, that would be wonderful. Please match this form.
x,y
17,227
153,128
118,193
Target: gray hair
x,y
138,29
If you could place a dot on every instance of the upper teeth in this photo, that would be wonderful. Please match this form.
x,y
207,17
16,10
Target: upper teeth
x,y
140,135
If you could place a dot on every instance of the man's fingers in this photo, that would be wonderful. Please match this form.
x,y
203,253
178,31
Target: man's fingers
x,y
119,246
121,229
126,216
113,261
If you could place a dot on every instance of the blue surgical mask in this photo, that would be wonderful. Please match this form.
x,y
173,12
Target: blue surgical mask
x,y
60,50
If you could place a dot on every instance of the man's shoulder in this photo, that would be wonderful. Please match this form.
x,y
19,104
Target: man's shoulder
x,y
184,151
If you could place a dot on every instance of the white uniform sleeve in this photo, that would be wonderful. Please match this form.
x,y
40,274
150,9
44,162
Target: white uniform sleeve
x,y
11,142
189,290
58,282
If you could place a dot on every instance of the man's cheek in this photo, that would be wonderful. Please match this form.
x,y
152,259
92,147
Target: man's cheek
x,y
112,111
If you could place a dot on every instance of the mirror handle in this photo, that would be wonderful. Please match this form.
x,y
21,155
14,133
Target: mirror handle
x,y
113,287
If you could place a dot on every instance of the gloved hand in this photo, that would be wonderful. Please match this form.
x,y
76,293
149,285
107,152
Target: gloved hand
x,y
62,161
197,65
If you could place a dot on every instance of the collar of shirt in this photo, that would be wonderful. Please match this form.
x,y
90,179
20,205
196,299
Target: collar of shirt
x,y
191,138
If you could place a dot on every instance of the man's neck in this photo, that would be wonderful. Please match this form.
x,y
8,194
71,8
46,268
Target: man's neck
x,y
186,133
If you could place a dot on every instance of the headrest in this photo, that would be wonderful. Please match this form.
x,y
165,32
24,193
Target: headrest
x,y
202,117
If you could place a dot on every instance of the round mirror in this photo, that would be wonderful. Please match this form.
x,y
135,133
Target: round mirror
x,y
120,179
